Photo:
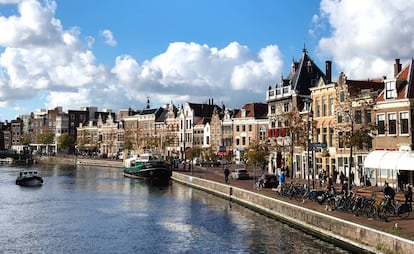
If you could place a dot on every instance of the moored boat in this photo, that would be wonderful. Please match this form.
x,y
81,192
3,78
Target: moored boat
x,y
29,178
148,166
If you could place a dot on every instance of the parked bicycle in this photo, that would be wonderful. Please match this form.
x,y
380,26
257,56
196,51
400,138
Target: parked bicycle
x,y
389,207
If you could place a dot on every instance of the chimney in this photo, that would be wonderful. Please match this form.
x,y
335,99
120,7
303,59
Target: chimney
x,y
397,67
328,71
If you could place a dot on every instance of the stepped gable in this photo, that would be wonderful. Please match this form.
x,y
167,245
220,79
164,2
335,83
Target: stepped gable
x,y
304,74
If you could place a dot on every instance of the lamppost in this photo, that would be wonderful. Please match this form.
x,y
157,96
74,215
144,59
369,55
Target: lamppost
x,y
351,159
309,148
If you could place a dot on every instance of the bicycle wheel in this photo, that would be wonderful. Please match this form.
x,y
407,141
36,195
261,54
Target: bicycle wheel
x,y
403,211
370,210
389,211
382,213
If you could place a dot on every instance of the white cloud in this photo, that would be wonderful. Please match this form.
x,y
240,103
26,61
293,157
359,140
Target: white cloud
x,y
41,57
10,1
90,41
109,37
367,35
196,72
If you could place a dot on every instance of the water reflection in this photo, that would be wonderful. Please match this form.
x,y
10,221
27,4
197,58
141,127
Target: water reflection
x,y
97,210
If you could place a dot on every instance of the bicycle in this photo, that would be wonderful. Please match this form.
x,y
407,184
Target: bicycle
x,y
389,207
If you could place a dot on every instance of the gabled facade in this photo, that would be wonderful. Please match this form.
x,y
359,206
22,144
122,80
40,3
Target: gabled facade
x,y
170,135
250,125
189,115
227,127
342,119
110,136
394,113
286,99
394,110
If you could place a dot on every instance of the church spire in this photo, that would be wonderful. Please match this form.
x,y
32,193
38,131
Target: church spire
x,y
148,103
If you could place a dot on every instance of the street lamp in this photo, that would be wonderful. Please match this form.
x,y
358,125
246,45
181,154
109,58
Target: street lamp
x,y
310,134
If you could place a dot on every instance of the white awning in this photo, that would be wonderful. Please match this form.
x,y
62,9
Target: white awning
x,y
373,159
406,162
394,160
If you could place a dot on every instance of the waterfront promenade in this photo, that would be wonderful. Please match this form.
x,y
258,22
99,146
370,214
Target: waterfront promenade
x,y
359,232
405,226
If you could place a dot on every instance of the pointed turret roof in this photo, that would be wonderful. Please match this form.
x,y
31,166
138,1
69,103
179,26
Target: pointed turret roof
x,y
304,75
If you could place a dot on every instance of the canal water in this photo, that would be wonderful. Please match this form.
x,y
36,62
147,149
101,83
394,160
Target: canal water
x,y
97,210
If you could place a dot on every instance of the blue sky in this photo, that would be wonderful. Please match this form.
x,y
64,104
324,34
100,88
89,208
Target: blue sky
x,y
145,28
114,54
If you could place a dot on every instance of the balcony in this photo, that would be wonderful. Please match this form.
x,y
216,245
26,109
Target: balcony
x,y
278,93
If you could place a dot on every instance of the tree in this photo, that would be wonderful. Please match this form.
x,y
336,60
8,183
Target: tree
x,y
65,142
129,139
45,137
25,139
351,104
256,154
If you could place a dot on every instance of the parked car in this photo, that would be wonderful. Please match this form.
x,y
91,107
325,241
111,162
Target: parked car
x,y
240,174
210,164
267,181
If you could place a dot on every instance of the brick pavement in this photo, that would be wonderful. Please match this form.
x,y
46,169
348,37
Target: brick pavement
x,y
405,226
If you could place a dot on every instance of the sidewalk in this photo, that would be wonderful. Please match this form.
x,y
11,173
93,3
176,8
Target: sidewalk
x,y
395,225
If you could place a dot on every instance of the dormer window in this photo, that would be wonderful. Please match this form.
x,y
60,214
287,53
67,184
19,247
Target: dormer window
x,y
390,90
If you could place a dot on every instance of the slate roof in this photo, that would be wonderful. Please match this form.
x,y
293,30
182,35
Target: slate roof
x,y
203,110
355,86
301,78
405,81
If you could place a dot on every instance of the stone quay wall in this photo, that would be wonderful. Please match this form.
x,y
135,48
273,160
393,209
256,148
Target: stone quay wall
x,y
349,235
73,160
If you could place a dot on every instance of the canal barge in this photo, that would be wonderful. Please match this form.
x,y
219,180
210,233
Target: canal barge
x,y
29,178
148,166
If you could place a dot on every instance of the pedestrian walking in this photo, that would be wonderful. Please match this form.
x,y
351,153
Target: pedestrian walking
x,y
388,191
351,178
408,194
281,181
341,178
226,174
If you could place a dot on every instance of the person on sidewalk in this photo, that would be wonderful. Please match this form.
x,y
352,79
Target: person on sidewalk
x,y
281,181
226,174
408,194
388,191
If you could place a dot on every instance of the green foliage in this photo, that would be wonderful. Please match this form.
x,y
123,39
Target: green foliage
x,y
25,139
256,154
65,142
45,137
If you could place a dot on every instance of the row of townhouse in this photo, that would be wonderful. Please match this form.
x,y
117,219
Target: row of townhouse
x,y
40,130
308,125
317,125
206,131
